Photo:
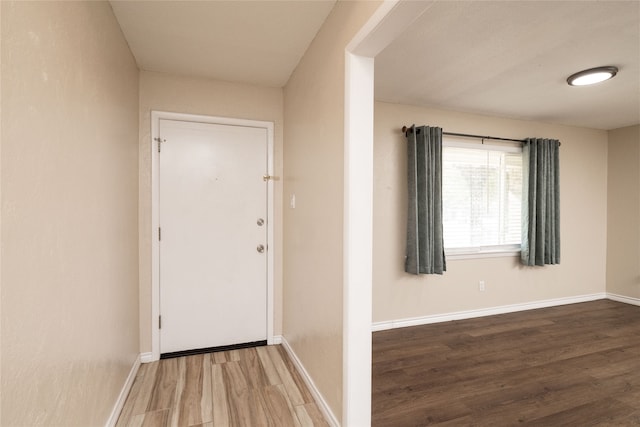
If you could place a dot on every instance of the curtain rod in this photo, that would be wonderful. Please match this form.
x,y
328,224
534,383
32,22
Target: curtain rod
x,y
467,135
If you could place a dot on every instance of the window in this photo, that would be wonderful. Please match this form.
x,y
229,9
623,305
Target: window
x,y
482,198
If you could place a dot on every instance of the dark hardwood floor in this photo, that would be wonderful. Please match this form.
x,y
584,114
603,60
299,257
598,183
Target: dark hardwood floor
x,y
572,365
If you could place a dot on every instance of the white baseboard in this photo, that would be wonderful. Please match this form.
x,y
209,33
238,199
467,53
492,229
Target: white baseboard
x,y
117,409
623,298
146,357
469,314
322,404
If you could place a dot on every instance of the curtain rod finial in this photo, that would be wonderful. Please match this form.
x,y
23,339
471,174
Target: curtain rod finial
x,y
404,129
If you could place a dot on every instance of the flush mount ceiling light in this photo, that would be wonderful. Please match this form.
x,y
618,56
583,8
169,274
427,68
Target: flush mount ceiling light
x,y
592,76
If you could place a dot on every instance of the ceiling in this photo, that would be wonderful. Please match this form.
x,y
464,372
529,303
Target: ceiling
x,y
512,58
504,58
256,42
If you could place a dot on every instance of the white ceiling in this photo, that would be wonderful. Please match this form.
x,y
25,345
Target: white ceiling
x,y
257,42
505,58
512,58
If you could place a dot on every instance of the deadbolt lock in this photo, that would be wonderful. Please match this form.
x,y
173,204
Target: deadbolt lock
x,y
260,248
260,221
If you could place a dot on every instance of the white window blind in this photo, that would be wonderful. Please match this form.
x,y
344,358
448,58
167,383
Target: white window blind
x,y
482,197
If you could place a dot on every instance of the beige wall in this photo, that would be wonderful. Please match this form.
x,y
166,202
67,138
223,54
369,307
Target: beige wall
x,y
314,146
623,245
1,215
69,212
0,218
164,92
583,181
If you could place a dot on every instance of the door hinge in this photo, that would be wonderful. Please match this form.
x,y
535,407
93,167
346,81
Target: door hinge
x,y
159,322
159,141
159,233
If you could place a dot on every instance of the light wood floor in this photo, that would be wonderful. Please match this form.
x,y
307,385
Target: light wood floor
x,y
573,365
248,387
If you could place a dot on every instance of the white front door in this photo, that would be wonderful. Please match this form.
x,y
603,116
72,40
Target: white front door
x,y
213,235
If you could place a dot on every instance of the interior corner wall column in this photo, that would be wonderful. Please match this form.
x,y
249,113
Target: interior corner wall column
x,y
358,240
387,22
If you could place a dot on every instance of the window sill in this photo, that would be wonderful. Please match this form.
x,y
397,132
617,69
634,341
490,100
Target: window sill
x,y
481,253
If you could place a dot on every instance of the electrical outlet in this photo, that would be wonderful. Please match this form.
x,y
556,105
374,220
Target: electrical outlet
x,y
481,286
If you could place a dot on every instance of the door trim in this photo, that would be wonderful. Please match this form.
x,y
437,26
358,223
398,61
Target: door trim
x,y
156,116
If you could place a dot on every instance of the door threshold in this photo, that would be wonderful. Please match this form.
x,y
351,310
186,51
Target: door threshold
x,y
213,349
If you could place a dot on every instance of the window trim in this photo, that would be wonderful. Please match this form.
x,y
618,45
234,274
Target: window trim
x,y
507,147
496,251
493,251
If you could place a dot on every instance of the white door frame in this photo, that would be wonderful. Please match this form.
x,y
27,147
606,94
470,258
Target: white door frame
x,y
388,22
156,116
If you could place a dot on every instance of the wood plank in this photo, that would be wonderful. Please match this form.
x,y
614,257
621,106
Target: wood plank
x,y
220,357
268,366
539,367
253,370
161,418
290,385
307,397
147,379
206,400
278,407
596,413
189,402
509,326
310,416
127,409
226,389
219,397
132,420
237,392
164,387
179,390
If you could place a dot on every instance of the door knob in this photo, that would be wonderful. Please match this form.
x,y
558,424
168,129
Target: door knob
x,y
260,248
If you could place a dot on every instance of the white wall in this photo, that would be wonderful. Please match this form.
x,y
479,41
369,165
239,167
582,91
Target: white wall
x,y
583,185
623,243
166,92
69,211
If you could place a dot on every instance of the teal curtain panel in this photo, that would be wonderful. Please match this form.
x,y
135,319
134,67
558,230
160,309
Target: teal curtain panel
x,y
541,202
425,245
